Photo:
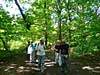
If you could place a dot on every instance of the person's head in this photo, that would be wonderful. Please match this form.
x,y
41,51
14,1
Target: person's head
x,y
32,42
41,42
58,42
62,41
28,42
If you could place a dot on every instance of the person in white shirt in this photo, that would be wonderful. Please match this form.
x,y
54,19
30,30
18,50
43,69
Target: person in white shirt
x,y
41,55
31,50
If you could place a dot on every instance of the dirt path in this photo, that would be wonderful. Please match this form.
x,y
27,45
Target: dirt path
x,y
20,66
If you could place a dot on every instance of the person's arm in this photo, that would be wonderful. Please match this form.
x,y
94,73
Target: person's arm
x,y
55,48
37,48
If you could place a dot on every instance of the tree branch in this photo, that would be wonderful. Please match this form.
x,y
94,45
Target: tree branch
x,y
24,17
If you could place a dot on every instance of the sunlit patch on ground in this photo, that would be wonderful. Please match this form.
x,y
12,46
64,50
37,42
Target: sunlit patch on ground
x,y
35,68
49,64
74,63
11,66
95,69
26,61
1,62
23,69
87,68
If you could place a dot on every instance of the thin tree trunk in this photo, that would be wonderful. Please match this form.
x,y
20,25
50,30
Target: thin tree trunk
x,y
59,19
69,18
4,44
46,35
59,24
24,17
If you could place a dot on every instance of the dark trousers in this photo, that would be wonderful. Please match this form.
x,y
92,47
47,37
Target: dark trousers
x,y
41,62
64,65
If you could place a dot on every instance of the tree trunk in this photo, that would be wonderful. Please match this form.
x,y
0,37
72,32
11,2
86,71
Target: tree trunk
x,y
45,15
4,44
60,29
59,20
24,17
69,18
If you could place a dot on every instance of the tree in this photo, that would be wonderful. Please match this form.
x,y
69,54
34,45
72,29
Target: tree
x,y
5,28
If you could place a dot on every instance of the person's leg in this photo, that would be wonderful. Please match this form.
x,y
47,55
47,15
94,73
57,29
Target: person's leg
x,y
42,63
66,63
31,57
59,60
62,65
35,57
39,61
56,57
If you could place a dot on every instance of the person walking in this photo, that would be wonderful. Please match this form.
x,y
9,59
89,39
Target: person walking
x,y
57,55
64,51
31,50
41,55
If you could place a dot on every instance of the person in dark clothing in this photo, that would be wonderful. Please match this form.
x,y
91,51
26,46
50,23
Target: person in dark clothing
x,y
64,51
57,50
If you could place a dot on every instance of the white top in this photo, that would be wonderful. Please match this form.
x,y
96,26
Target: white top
x,y
30,49
98,11
40,49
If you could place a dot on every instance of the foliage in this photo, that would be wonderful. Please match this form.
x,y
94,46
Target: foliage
x,y
75,20
6,55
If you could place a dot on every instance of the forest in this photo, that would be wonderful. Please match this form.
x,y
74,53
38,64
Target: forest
x,y
76,21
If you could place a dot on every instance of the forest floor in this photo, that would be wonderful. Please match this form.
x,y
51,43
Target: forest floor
x,y
84,65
